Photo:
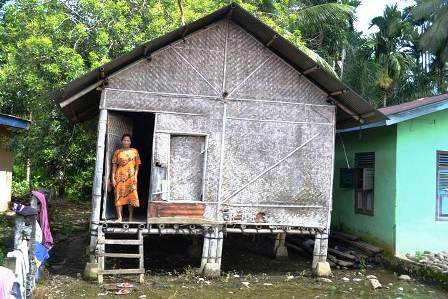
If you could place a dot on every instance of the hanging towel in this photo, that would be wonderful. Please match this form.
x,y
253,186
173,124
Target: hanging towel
x,y
6,282
38,237
22,265
47,238
41,253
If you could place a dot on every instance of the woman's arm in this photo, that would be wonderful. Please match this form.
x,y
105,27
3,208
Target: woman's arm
x,y
114,168
136,170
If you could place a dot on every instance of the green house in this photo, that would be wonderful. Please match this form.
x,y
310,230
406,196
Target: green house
x,y
391,178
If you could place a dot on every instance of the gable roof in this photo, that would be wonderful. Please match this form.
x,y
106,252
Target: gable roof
x,y
13,121
406,111
79,99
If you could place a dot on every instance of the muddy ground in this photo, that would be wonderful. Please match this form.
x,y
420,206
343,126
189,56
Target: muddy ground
x,y
248,270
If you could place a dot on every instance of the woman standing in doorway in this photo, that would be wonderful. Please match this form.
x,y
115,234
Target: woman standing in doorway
x,y
125,164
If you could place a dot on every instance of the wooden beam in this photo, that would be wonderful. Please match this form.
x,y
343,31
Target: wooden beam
x,y
338,92
121,255
311,69
274,37
346,109
123,271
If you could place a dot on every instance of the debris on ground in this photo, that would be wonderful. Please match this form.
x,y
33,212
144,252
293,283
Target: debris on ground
x,y
436,261
404,277
375,283
344,250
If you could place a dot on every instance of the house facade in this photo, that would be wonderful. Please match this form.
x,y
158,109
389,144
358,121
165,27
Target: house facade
x,y
405,209
235,127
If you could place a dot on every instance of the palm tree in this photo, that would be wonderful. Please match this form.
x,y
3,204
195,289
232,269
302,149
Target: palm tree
x,y
391,49
320,23
434,16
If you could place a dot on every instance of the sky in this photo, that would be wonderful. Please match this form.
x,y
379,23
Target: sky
x,y
372,8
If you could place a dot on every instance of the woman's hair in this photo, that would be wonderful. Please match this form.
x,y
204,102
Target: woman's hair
x,y
126,135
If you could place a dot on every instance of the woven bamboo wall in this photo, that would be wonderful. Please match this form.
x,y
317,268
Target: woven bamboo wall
x,y
268,111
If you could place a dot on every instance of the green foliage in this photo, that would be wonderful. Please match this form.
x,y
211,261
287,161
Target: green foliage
x,y
45,44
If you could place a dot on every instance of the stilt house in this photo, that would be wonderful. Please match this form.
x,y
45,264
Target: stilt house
x,y
235,127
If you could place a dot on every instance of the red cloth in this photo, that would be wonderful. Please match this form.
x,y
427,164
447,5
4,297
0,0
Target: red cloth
x,y
47,238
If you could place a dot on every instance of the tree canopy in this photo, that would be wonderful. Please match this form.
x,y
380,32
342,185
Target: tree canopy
x,y
47,43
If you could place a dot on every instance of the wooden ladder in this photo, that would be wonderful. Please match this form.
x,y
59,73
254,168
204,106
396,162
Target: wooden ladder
x,y
102,254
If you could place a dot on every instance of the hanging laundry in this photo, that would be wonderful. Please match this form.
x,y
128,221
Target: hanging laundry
x,y
40,255
47,238
22,265
38,236
6,282
23,210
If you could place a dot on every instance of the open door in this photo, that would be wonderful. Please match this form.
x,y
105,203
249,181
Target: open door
x,y
117,125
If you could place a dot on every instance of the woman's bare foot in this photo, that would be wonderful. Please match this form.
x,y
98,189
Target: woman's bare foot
x,y
119,220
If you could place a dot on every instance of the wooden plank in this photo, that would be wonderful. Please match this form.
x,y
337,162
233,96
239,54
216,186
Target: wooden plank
x,y
181,220
122,255
342,255
122,271
343,235
361,245
119,242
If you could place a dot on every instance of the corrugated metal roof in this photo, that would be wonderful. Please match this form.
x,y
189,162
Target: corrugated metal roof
x,y
12,121
413,104
406,111
81,98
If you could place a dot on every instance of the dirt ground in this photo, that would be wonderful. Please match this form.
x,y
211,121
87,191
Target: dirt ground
x,y
249,270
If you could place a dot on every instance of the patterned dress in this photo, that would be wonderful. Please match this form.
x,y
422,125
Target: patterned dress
x,y
125,179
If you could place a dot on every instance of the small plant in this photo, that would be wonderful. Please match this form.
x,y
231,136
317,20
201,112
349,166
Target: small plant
x,y
362,265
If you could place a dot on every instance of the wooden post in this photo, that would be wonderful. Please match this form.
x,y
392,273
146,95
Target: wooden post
x,y
205,249
280,250
101,251
323,247
97,182
219,248
316,251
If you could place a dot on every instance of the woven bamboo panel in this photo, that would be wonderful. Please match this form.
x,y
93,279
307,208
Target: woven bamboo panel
x,y
149,102
288,113
212,127
187,158
184,83
244,55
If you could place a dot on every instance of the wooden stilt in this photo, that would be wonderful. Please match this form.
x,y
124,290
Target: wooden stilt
x,y
280,250
323,247
142,257
316,251
213,246
97,183
219,248
205,251
101,247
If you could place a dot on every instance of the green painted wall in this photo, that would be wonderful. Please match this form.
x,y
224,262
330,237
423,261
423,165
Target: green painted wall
x,y
417,143
379,227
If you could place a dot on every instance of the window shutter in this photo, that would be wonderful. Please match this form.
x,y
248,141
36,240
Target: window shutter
x,y
442,185
367,160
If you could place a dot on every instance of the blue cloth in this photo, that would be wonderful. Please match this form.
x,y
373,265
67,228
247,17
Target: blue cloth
x,y
41,255
40,252
16,291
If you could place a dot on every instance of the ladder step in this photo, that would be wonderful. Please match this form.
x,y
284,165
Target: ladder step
x,y
122,271
119,242
123,255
